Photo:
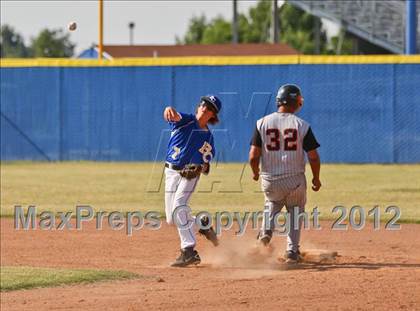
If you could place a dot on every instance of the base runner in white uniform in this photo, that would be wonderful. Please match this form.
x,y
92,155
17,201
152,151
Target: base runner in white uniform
x,y
278,145
190,150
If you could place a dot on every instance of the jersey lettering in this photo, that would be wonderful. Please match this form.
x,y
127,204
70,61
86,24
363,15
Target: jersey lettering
x,y
205,150
274,135
290,139
176,152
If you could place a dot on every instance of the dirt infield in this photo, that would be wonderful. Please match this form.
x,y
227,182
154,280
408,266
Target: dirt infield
x,y
373,270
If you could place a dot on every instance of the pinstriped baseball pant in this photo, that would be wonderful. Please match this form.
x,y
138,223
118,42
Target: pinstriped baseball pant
x,y
289,192
178,191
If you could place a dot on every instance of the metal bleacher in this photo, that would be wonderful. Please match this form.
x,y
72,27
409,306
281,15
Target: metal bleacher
x,y
381,22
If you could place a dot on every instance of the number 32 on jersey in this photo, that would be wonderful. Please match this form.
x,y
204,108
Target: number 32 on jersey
x,y
289,139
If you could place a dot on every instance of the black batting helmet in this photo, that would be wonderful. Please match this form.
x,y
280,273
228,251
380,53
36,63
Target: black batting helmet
x,y
290,95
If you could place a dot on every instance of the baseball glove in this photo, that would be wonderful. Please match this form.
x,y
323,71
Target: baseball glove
x,y
191,171
206,168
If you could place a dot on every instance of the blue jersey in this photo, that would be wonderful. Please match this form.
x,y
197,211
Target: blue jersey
x,y
189,144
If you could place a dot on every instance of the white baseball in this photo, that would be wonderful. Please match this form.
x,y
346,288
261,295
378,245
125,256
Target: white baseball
x,y
72,26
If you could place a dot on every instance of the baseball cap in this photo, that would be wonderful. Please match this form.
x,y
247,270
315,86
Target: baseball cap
x,y
213,101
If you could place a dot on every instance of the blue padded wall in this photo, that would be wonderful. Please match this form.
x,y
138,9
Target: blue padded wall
x,y
360,113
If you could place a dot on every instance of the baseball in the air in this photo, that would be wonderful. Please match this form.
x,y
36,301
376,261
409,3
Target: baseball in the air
x,y
72,26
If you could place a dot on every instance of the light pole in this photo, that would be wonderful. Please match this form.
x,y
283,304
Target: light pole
x,y
411,25
131,26
275,26
235,37
101,28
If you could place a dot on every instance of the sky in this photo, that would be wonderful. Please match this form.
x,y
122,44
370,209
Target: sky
x,y
156,22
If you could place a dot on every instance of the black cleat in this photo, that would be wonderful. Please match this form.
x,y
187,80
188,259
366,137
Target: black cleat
x,y
293,257
265,237
188,256
208,233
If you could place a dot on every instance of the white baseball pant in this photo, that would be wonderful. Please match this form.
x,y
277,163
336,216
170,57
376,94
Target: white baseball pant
x,y
178,191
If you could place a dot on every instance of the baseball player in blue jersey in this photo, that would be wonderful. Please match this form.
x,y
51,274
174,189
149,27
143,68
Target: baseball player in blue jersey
x,y
190,150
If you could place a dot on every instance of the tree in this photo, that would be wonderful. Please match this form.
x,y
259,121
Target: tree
x,y
52,43
195,31
259,22
340,44
12,44
297,29
217,31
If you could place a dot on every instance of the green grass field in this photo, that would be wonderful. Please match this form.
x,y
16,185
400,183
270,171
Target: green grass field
x,y
14,278
139,186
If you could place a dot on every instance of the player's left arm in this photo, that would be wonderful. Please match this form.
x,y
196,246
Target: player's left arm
x,y
310,145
